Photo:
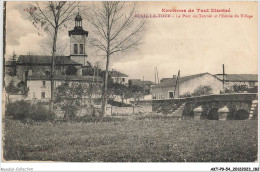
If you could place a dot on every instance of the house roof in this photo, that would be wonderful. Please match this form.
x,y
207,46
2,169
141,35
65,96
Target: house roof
x,y
238,77
139,82
44,60
67,78
172,81
117,74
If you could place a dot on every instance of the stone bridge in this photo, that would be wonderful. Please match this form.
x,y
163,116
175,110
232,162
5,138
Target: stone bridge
x,y
238,106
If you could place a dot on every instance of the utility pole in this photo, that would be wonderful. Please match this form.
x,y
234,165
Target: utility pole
x,y
157,75
177,85
179,75
143,88
223,77
154,75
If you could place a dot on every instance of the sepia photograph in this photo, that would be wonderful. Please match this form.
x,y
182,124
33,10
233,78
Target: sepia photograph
x,y
125,81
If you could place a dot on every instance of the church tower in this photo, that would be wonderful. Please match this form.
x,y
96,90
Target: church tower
x,y
78,42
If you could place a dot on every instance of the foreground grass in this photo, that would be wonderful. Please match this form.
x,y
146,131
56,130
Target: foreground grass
x,y
146,140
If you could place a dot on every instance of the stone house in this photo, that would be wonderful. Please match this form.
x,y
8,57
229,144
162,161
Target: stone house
x,y
145,84
119,77
40,86
168,89
249,80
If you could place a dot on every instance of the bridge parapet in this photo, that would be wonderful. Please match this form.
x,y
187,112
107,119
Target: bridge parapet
x,y
224,97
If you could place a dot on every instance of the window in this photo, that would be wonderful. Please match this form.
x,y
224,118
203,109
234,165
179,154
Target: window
x,y
43,95
75,49
81,48
26,74
34,97
30,73
47,73
123,79
170,94
43,84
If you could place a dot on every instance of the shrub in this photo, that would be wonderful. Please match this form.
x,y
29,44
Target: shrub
x,y
187,94
18,109
21,110
39,113
19,88
70,110
202,90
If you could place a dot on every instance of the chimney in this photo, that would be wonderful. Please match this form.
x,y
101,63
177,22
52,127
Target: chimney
x,y
174,76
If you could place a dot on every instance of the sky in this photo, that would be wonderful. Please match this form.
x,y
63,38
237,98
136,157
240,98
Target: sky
x,y
191,45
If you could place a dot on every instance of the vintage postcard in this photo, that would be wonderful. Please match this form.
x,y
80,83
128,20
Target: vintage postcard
x,y
124,81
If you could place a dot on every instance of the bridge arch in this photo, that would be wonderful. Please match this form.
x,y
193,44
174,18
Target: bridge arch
x,y
241,114
213,114
191,114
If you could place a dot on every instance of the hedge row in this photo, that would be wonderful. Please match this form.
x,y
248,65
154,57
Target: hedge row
x,y
20,110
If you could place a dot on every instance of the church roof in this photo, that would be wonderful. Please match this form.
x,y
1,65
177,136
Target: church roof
x,y
78,31
78,18
45,60
66,78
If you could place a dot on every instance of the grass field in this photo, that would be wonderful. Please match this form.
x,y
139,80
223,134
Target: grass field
x,y
146,140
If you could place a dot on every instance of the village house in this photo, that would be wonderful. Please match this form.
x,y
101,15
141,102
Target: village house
x,y
168,87
119,77
35,70
248,80
40,86
145,84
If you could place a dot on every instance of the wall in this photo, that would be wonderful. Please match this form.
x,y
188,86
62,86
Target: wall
x,y
206,79
12,98
230,84
166,106
118,111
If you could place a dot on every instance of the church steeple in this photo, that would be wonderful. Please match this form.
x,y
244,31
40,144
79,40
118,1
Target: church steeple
x,y
78,21
78,29
78,42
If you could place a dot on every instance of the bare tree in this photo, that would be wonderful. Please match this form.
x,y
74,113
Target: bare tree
x,y
46,47
116,30
52,16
